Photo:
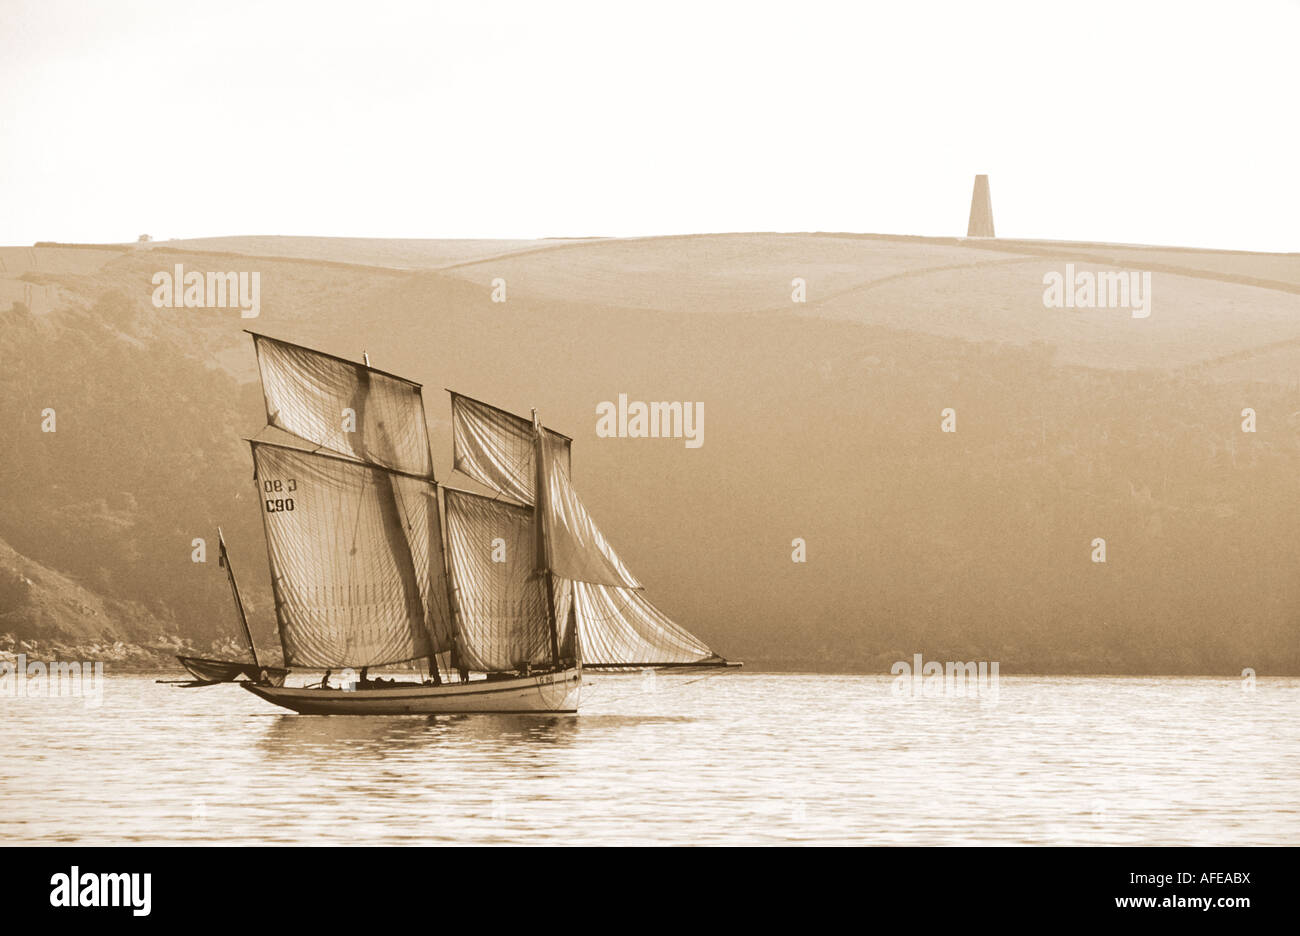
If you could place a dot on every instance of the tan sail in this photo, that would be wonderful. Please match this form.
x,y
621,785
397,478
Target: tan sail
x,y
620,627
495,448
578,550
356,559
500,598
347,408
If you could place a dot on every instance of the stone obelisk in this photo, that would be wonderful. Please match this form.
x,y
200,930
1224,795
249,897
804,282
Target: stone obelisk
x,y
981,209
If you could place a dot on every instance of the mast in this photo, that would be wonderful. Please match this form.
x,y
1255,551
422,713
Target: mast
x,y
433,638
224,558
543,541
275,575
392,512
454,657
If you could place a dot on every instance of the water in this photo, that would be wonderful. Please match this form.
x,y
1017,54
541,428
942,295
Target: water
x,y
735,758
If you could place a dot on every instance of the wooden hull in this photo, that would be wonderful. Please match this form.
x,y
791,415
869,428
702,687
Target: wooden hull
x,y
546,693
218,671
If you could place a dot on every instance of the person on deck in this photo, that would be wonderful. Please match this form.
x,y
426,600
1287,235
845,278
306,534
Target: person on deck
x,y
456,663
325,680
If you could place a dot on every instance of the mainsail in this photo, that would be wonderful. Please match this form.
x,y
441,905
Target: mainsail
x,y
500,598
356,559
616,625
345,407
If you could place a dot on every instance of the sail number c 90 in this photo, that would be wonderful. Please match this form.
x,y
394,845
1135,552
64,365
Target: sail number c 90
x,y
277,504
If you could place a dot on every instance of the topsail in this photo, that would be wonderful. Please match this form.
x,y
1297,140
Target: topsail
x,y
496,448
347,408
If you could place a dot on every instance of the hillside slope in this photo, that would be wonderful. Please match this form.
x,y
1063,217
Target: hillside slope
x,y
46,613
822,422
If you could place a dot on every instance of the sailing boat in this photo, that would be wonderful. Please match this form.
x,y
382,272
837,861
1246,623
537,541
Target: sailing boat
x,y
507,596
206,671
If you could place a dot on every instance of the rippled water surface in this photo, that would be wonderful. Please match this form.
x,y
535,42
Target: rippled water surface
x,y
734,758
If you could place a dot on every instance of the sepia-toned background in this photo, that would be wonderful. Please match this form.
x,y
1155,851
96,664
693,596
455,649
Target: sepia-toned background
x,y
822,422
380,169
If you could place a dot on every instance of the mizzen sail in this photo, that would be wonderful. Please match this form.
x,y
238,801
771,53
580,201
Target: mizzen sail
x,y
500,599
356,559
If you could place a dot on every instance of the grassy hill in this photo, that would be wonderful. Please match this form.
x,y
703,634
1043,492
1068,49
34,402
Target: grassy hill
x,y
822,422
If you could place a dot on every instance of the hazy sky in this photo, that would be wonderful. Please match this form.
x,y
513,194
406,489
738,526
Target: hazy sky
x,y
1166,123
